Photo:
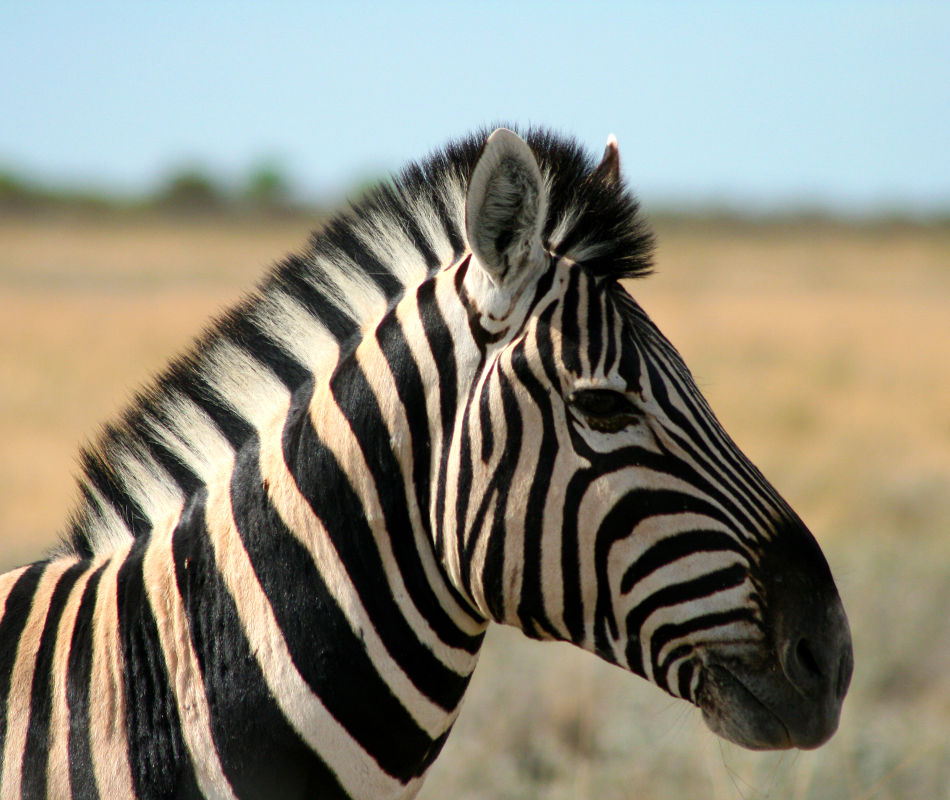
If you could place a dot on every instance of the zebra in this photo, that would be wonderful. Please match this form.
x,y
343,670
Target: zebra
x,y
447,411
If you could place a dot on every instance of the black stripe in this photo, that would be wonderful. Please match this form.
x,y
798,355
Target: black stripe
x,y
16,611
328,653
678,652
570,554
101,473
463,481
260,753
629,365
82,520
626,513
195,386
667,463
615,329
303,282
411,227
158,758
662,463
531,609
443,352
449,225
757,489
395,347
665,634
545,345
167,459
595,296
484,417
672,595
570,329
82,778
424,183
493,571
41,693
684,679
338,238
358,404
726,462
675,547
683,592
246,332
392,206
724,491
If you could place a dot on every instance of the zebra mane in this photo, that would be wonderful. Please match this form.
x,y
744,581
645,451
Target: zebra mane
x,y
313,306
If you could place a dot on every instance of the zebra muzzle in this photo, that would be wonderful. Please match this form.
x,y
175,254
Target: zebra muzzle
x,y
788,691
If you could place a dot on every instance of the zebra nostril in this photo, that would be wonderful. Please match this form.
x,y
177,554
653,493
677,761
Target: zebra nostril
x,y
818,671
802,666
806,658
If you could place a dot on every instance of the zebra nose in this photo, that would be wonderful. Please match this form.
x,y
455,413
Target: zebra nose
x,y
813,649
811,636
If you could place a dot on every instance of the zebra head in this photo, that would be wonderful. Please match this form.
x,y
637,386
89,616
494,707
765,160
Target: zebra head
x,y
599,501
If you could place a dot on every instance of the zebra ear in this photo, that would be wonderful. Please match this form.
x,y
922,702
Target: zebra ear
x,y
608,170
505,210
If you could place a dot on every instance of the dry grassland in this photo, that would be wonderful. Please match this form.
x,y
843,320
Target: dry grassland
x,y
824,349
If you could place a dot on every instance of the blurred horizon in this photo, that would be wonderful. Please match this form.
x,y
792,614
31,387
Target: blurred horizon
x,y
265,190
770,108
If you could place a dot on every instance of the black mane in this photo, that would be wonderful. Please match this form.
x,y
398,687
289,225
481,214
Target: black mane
x,y
589,214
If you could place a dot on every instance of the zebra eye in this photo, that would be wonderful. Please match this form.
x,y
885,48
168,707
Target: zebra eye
x,y
605,409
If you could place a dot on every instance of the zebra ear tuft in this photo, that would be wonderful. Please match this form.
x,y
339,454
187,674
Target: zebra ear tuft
x,y
505,209
608,170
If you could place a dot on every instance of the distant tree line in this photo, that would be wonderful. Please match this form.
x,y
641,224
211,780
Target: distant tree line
x,y
190,189
267,190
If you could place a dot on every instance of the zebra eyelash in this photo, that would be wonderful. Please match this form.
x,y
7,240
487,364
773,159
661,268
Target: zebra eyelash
x,y
605,410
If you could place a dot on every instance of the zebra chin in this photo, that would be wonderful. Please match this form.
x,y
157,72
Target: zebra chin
x,y
763,710
731,710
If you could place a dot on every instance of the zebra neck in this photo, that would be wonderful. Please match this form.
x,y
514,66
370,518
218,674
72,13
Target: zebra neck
x,y
365,445
350,471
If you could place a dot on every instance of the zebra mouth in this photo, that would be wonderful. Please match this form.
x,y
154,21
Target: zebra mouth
x,y
732,710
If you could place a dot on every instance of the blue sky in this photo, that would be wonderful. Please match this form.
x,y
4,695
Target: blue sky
x,y
756,104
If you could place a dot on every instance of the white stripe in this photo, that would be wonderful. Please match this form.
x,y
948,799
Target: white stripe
x,y
727,600
346,285
107,705
297,330
147,483
106,531
57,766
7,582
181,663
391,246
192,436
